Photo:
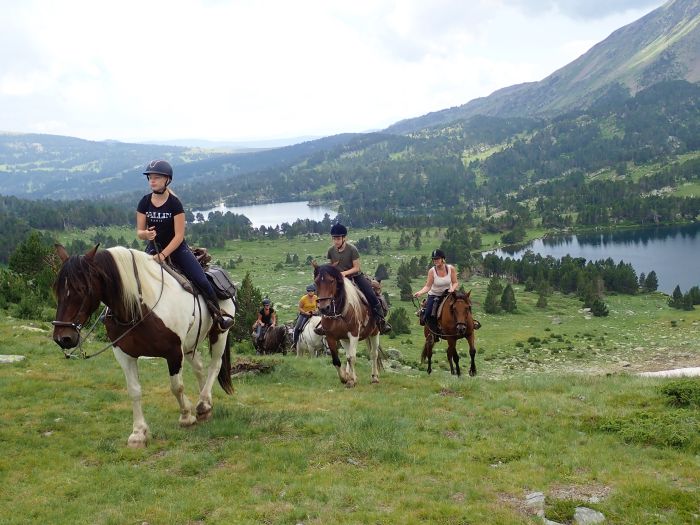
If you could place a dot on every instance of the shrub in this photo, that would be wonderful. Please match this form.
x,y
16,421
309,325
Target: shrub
x,y
29,307
683,393
669,429
399,321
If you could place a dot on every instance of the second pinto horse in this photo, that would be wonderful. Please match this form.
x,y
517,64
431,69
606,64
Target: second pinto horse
x,y
345,316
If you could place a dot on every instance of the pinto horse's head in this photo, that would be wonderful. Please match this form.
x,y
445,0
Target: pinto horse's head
x,y
330,289
460,311
75,299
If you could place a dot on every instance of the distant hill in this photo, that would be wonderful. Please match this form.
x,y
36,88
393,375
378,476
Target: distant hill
x,y
38,166
663,45
233,145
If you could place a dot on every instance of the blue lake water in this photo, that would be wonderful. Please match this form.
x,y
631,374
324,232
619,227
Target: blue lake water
x,y
670,251
274,214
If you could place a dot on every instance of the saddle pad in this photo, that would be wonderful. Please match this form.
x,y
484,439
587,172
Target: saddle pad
x,y
179,277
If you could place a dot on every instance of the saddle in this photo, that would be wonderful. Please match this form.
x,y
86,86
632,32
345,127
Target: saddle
x,y
220,280
377,287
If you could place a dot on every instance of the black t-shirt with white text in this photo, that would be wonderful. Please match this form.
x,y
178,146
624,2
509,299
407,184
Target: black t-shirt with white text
x,y
163,217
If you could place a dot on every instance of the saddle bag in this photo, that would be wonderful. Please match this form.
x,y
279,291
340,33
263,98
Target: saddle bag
x,y
377,287
221,282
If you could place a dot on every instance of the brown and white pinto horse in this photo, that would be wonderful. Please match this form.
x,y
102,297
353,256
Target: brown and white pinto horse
x,y
346,317
150,314
455,322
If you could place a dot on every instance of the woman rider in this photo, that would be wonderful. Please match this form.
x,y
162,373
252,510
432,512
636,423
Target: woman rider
x,y
160,220
347,259
442,278
267,318
307,308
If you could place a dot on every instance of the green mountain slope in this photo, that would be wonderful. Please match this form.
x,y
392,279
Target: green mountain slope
x,y
664,45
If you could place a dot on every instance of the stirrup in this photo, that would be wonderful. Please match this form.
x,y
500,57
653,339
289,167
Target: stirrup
x,y
477,324
384,327
225,322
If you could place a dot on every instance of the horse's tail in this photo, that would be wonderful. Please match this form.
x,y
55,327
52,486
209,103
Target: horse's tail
x,y
224,376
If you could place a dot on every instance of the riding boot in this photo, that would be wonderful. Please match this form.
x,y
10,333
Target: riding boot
x,y
477,324
384,327
433,326
223,320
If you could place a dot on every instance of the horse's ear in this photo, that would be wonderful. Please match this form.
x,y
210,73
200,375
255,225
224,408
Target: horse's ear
x,y
61,252
469,293
314,264
91,253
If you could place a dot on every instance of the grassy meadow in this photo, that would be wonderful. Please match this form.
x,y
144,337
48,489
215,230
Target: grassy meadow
x,y
556,407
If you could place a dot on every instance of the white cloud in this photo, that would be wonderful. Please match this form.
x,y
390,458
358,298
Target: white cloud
x,y
237,69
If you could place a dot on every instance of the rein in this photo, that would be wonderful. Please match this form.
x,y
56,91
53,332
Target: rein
x,y
334,315
134,323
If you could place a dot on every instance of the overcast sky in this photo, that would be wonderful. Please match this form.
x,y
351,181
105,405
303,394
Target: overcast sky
x,y
136,70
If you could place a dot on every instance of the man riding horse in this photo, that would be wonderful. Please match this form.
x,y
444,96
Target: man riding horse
x,y
346,258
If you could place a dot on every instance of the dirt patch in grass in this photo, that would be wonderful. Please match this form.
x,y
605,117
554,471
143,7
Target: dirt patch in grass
x,y
246,365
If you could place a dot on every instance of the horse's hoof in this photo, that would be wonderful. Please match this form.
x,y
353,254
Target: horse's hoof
x,y
472,373
350,384
204,416
375,380
137,441
204,412
188,421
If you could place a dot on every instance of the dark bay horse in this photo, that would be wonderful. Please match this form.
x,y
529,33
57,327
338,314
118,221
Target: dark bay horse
x,y
345,317
455,322
150,314
274,340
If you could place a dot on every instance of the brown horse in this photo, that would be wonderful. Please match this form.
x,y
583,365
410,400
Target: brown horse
x,y
274,340
455,322
150,314
346,317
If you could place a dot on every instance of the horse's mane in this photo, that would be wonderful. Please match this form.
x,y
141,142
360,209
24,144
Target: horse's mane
x,y
76,273
461,295
347,294
150,277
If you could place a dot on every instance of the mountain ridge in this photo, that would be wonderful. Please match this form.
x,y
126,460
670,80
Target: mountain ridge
x,y
662,45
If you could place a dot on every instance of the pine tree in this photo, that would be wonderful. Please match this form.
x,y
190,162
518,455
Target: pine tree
x,y
249,299
508,299
676,299
651,283
599,309
382,272
541,300
493,293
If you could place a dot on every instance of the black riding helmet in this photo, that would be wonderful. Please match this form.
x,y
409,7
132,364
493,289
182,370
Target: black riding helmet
x,y
266,302
338,230
437,254
159,167
311,288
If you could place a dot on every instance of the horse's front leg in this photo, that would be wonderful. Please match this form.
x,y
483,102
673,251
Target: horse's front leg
x,y
350,362
177,387
453,356
472,355
139,433
333,347
374,357
217,343
428,352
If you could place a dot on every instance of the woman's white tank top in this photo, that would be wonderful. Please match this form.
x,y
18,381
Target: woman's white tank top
x,y
440,284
